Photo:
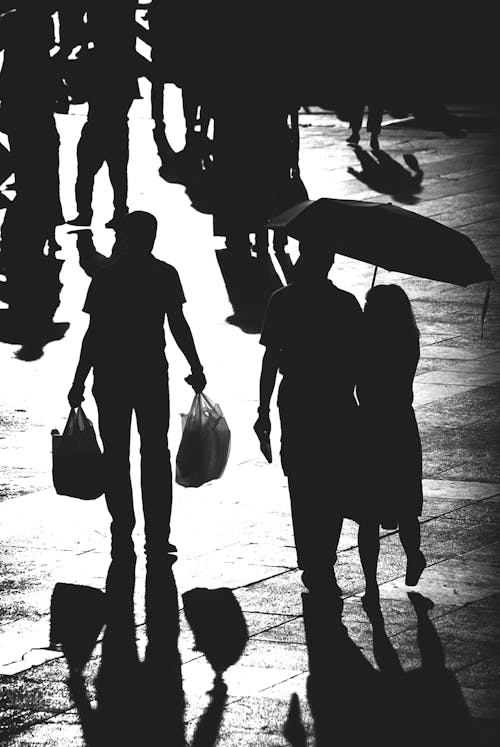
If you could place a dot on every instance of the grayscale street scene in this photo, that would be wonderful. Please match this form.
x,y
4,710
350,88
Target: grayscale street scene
x,y
240,626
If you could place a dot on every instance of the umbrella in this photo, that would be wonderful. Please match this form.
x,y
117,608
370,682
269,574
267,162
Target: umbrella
x,y
387,236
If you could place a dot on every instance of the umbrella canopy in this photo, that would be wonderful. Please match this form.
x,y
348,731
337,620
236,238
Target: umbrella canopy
x,y
387,236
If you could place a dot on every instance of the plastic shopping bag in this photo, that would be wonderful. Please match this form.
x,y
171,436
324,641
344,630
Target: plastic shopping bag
x,y
205,444
77,460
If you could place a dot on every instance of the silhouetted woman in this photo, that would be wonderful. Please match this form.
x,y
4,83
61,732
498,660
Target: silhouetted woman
x,y
389,351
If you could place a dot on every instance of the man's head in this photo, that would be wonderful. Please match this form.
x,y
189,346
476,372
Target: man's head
x,y
138,232
316,258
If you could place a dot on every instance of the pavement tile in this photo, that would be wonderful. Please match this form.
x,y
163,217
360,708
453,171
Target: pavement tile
x,y
467,491
461,378
424,393
456,581
484,675
241,680
290,631
483,705
442,352
268,716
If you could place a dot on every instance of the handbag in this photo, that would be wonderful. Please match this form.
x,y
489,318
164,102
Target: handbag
x,y
77,460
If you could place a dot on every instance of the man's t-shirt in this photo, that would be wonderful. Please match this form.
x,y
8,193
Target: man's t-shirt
x,y
313,325
127,304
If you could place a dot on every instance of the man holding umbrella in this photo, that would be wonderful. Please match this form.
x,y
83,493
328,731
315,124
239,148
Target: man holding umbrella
x,y
309,333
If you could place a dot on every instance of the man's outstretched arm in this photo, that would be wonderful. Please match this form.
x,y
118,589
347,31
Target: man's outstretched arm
x,y
75,395
181,332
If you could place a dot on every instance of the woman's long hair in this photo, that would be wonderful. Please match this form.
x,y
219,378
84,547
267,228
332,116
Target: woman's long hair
x,y
388,315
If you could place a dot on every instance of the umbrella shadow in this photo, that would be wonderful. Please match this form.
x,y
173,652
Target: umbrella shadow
x,y
31,291
249,282
384,174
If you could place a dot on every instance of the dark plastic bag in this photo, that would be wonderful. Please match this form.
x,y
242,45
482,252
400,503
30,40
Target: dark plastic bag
x,y
205,444
77,460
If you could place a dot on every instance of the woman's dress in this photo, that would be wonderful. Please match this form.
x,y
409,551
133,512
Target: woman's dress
x,y
391,488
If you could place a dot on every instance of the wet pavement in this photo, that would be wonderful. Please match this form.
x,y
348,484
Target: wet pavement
x,y
236,531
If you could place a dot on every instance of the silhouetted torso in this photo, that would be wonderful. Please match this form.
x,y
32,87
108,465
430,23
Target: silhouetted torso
x,y
128,303
28,80
386,373
313,324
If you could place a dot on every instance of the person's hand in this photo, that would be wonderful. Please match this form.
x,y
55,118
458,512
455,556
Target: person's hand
x,y
75,395
197,380
262,428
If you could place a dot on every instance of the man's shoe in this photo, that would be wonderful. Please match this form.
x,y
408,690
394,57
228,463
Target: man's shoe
x,y
82,219
353,139
374,144
116,219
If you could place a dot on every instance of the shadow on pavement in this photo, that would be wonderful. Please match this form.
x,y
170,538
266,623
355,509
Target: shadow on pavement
x,y
32,292
384,174
191,167
353,702
249,283
136,702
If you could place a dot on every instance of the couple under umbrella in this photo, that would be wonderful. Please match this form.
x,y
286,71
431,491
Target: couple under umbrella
x,y
343,459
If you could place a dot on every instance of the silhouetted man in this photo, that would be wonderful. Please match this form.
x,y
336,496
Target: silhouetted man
x,y
30,89
124,345
373,125
112,86
309,332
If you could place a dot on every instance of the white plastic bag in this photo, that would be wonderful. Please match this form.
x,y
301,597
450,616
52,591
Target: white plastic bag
x,y
205,444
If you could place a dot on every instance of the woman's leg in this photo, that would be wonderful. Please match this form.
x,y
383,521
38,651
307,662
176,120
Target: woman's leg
x,y
369,546
409,534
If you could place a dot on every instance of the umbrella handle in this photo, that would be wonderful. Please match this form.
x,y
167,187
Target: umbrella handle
x,y
374,276
485,308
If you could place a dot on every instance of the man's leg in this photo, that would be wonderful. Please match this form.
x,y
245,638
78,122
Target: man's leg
x,y
115,414
374,124
316,527
153,413
355,121
117,156
90,159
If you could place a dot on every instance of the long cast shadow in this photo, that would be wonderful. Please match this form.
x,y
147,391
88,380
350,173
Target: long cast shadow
x,y
136,702
346,694
429,697
221,634
384,174
249,283
32,293
191,167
